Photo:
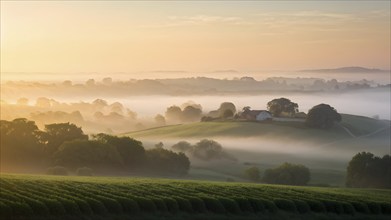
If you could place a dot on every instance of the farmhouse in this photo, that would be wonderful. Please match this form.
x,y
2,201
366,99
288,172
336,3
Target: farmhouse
x,y
258,115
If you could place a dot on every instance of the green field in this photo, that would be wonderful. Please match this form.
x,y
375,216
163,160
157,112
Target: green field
x,y
51,197
358,125
328,151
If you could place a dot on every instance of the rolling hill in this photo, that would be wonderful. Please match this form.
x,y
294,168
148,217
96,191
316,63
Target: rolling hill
x,y
351,126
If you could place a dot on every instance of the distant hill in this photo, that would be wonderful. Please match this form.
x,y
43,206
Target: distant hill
x,y
351,69
358,125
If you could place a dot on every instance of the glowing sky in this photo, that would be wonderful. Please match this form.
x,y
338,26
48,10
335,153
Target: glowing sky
x,y
98,36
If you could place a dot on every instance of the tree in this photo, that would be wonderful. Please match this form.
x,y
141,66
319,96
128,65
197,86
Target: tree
x,y
368,170
191,113
226,106
282,105
182,146
160,120
165,161
228,114
90,153
20,143
252,174
57,134
173,113
322,116
287,174
131,151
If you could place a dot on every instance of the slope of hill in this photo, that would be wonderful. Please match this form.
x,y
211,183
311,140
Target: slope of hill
x,y
358,125
49,197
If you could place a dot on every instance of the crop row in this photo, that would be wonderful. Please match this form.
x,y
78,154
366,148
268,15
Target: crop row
x,y
28,197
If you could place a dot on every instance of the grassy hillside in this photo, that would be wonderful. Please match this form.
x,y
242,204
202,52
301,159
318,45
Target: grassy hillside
x,y
49,197
357,124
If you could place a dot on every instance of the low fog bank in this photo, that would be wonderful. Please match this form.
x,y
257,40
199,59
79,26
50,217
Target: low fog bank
x,y
273,151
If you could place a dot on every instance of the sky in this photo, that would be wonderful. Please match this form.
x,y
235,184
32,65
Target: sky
x,y
129,36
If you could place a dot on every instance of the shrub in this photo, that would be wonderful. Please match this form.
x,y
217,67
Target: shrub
x,y
269,205
5,211
348,208
171,204
160,205
57,170
84,171
21,209
244,204
96,206
285,205
374,207
213,204
83,206
111,205
70,206
333,206
184,204
128,205
301,206
386,208
360,207
55,207
229,205
258,205
38,207
146,204
197,204
316,206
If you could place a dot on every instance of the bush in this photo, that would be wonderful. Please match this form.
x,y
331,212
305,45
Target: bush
x,y
55,207
348,208
84,171
316,206
57,170
285,205
38,207
128,205
184,204
160,205
21,209
301,206
258,205
333,206
5,211
360,207
111,205
146,205
244,204
213,205
197,204
374,208
229,205
269,205
83,206
386,208
171,204
70,206
96,206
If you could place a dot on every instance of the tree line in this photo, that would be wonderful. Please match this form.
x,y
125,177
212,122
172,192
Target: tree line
x,y
65,144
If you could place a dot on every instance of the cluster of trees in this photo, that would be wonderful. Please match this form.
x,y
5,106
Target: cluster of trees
x,y
282,107
366,170
65,144
322,116
285,174
205,150
189,112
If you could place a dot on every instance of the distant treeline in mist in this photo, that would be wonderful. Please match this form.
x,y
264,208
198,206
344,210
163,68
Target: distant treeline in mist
x,y
180,87
26,148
